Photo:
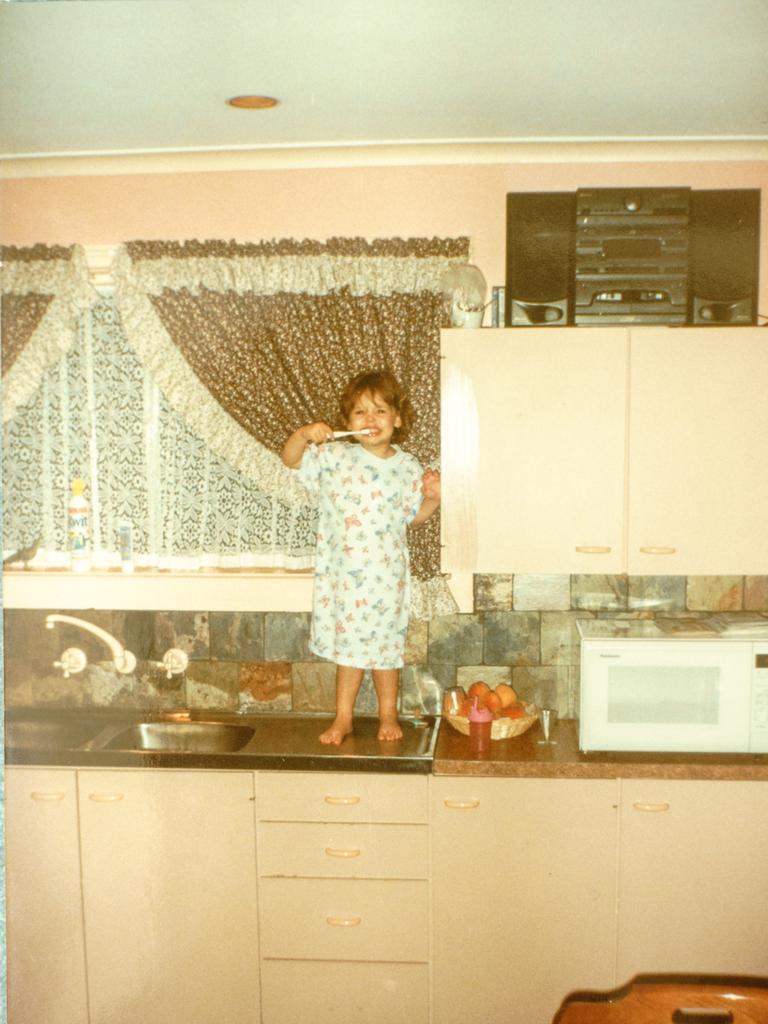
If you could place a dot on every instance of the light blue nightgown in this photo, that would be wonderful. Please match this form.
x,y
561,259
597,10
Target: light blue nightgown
x,y
361,595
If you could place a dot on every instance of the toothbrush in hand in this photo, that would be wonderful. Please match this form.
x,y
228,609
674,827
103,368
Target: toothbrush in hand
x,y
349,433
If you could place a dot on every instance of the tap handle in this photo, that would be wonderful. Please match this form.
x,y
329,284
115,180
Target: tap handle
x,y
175,661
71,660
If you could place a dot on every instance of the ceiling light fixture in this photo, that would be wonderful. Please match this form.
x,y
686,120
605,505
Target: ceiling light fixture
x,y
253,102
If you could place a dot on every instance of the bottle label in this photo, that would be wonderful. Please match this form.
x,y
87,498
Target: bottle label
x,y
78,532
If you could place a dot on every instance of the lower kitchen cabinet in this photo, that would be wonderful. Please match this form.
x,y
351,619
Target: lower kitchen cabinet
x,y
169,896
524,891
306,991
162,896
692,884
343,897
45,942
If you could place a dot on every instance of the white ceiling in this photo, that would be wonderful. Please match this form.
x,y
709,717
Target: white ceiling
x,y
138,76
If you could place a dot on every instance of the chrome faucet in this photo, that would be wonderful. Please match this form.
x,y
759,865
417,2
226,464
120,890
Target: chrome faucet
x,y
73,659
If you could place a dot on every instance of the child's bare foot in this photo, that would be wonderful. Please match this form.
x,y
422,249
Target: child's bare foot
x,y
336,732
389,728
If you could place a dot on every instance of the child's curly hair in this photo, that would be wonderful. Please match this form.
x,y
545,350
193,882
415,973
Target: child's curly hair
x,y
386,386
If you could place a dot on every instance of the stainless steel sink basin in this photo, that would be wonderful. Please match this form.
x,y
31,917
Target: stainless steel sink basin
x,y
184,737
47,733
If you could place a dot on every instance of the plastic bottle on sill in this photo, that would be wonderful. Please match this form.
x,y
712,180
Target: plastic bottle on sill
x,y
125,537
78,530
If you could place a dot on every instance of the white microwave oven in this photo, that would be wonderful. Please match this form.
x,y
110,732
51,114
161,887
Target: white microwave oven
x,y
674,694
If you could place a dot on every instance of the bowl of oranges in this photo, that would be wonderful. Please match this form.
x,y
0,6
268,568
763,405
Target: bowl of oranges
x,y
511,716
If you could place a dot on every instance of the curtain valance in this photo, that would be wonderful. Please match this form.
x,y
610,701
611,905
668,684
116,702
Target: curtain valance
x,y
45,289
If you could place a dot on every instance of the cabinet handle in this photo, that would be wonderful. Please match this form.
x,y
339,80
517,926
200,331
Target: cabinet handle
x,y
462,805
654,808
702,1015
593,549
342,801
343,922
47,796
105,798
330,852
658,551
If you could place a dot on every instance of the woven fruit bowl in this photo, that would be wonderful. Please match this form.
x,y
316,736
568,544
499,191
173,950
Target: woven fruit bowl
x,y
501,728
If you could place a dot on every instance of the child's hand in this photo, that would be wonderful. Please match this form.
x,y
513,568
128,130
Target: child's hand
x,y
295,446
430,490
430,485
316,433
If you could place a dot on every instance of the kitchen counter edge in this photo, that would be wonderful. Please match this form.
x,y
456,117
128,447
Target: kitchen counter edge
x,y
527,757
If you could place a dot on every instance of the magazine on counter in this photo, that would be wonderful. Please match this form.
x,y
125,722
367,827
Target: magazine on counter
x,y
687,627
740,623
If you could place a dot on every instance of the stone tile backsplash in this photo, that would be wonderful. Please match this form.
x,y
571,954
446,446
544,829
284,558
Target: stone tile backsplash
x,y
522,629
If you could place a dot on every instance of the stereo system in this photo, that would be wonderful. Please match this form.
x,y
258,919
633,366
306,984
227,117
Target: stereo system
x,y
634,256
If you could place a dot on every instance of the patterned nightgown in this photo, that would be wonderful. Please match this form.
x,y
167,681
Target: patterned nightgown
x,y
362,581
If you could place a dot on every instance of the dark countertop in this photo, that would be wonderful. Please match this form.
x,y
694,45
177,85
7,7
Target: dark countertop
x,y
524,757
95,737
98,738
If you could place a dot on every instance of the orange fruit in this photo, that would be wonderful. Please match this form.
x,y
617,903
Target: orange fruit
x,y
492,701
465,707
479,689
515,710
506,694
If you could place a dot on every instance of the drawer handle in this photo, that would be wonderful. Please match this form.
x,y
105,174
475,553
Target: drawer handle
x,y
342,801
330,852
658,551
653,808
105,798
593,549
702,1015
47,796
462,805
343,922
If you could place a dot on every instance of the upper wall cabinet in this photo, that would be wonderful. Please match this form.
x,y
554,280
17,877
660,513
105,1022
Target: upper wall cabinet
x,y
698,451
605,450
533,449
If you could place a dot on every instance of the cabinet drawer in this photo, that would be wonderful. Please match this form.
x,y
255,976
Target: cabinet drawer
x,y
342,796
342,850
294,992
344,919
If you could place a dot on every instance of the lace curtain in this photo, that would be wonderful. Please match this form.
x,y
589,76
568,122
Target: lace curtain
x,y
175,400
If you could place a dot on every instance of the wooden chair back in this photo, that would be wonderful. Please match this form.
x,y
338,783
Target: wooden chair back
x,y
672,999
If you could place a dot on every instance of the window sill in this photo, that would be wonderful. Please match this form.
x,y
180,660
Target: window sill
x,y
151,590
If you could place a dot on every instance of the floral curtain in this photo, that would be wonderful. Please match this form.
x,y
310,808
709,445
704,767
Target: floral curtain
x,y
180,391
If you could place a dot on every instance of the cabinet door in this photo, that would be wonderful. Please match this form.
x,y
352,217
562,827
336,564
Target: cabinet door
x,y
169,883
524,888
45,948
692,888
698,437
533,450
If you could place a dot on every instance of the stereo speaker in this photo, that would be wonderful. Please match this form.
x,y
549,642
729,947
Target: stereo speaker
x,y
540,249
723,256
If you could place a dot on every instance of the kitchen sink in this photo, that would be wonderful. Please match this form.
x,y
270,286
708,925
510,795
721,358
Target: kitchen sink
x,y
122,737
182,737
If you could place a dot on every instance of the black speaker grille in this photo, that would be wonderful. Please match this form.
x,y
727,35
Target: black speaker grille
x,y
724,244
540,245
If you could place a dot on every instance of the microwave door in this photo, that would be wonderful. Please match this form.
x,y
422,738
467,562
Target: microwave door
x,y
665,696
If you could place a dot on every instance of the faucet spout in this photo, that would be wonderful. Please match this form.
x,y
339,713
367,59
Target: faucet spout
x,y
125,661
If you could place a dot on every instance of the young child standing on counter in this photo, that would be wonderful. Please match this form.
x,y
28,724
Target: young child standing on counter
x,y
369,491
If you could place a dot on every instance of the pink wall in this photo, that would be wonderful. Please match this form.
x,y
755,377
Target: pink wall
x,y
372,202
